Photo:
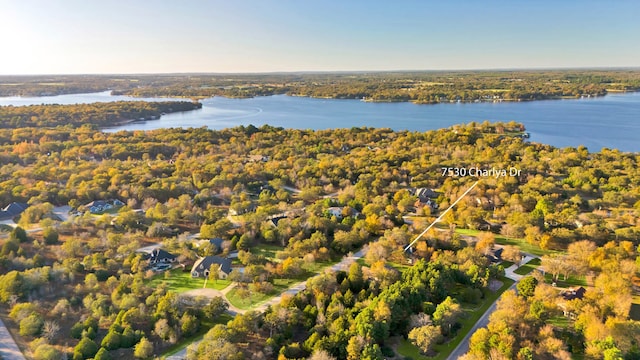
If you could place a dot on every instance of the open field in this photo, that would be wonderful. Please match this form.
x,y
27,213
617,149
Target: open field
x,y
571,281
268,251
279,286
502,240
181,281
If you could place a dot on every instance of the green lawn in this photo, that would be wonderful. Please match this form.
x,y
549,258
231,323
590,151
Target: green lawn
x,y
559,321
470,232
472,316
571,281
521,243
204,328
279,286
407,349
268,251
181,281
506,264
317,268
528,267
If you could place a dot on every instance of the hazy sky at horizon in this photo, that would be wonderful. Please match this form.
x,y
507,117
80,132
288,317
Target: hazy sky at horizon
x,y
118,36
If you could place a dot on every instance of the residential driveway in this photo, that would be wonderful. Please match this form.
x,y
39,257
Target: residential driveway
x,y
8,348
150,248
62,212
8,222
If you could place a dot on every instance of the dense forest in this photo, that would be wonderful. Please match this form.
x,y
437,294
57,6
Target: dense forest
x,y
78,286
418,87
98,114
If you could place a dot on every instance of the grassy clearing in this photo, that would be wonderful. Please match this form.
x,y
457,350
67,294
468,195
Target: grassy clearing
x,y
279,286
559,322
407,349
528,267
506,264
571,281
502,240
181,281
315,268
268,251
473,314
204,328
523,245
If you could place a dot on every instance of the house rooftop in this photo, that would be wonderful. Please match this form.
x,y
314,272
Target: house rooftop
x,y
206,262
12,210
571,294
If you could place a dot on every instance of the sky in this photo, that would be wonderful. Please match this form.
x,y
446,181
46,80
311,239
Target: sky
x,y
135,36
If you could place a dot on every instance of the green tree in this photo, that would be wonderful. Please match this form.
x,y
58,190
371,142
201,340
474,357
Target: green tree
x,y
425,337
102,354
189,324
111,341
50,236
85,349
371,352
527,286
10,246
447,314
47,352
18,234
355,277
143,349
216,307
31,325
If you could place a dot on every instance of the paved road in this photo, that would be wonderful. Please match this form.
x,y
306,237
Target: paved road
x,y
463,347
8,348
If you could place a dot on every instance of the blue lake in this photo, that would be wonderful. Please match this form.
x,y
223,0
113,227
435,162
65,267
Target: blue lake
x,y
612,121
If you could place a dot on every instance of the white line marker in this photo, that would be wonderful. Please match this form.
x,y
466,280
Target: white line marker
x,y
440,217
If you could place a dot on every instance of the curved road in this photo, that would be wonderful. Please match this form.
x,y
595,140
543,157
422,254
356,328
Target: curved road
x,y
463,346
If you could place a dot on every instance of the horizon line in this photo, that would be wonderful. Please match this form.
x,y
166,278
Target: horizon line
x,y
303,72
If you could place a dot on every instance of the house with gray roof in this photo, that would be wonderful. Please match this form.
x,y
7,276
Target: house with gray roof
x,y
12,210
202,266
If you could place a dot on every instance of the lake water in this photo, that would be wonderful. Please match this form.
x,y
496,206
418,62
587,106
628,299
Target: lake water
x,y
612,121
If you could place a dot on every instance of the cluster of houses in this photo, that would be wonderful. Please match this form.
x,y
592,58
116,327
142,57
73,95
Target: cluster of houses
x,y
160,260
425,197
